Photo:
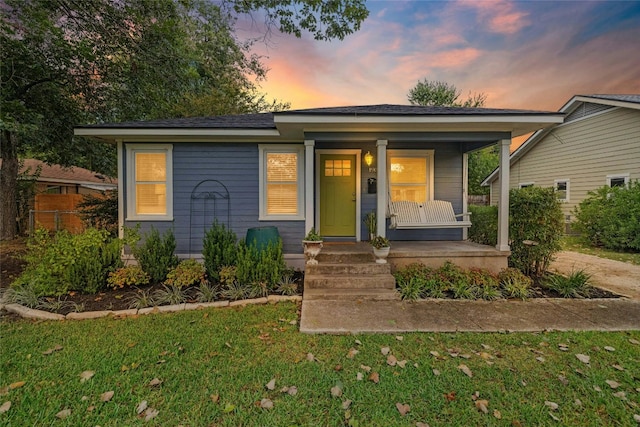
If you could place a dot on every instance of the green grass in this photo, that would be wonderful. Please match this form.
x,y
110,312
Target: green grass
x,y
579,244
233,353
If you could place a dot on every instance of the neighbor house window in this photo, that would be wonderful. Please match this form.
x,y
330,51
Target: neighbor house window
x,y
281,182
562,189
621,180
525,184
411,175
149,182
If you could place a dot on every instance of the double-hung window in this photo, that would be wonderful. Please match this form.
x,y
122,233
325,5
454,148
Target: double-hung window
x,y
281,170
411,175
149,182
562,189
621,180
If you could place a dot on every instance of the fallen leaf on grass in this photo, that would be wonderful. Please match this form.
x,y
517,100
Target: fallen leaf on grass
x,y
554,417
634,342
337,368
365,368
91,408
497,414
541,359
52,350
16,385
563,347
451,396
618,367
86,375
142,407
434,353
215,398
346,404
596,388
359,376
435,372
484,355
552,405
563,379
403,408
375,377
391,360
150,414
229,407
271,385
5,407
352,353
621,395
291,391
465,369
399,337
385,350
482,405
63,414
636,417
402,363
154,382
613,384
106,396
609,348
336,391
311,357
358,342
583,358
266,403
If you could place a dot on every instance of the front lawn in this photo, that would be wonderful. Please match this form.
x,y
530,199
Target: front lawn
x,y
581,245
213,368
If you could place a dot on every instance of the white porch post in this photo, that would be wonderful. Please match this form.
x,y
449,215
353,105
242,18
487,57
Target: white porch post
x,y
503,197
121,192
381,208
309,212
465,191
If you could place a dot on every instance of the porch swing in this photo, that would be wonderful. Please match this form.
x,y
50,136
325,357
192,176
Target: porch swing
x,y
408,215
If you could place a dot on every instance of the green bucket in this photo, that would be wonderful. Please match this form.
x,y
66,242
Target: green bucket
x,y
260,237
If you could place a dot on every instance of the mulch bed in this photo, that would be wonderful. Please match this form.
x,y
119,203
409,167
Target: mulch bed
x,y
11,265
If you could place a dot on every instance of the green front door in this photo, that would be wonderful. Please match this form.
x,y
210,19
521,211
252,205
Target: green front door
x,y
338,195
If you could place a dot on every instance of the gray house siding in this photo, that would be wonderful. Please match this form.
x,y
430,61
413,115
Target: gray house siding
x,y
235,166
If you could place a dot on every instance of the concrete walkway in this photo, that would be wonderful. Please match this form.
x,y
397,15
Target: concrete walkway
x,y
365,316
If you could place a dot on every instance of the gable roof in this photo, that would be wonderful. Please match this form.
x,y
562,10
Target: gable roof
x,y
71,175
625,101
290,126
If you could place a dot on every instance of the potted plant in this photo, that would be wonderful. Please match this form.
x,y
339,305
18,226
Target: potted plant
x,y
312,244
381,249
371,224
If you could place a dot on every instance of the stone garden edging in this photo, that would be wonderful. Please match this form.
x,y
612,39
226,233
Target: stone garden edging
x,y
30,313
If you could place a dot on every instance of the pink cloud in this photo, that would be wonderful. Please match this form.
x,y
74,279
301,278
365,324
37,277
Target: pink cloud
x,y
500,16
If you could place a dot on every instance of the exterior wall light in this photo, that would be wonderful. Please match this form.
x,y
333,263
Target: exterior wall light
x,y
368,158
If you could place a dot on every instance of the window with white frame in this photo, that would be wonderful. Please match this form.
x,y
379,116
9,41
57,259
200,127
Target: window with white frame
x,y
281,172
411,175
562,189
621,180
149,182
525,184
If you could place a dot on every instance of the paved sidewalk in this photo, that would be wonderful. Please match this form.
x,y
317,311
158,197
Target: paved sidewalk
x,y
365,316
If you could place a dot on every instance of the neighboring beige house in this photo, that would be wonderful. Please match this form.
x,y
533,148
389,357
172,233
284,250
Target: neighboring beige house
x,y
598,144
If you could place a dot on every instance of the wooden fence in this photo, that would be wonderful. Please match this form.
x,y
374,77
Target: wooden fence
x,y
56,212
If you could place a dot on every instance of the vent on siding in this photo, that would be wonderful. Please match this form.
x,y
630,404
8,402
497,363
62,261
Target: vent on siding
x,y
586,109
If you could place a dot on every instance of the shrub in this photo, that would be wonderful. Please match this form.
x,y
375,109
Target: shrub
x,y
515,284
156,254
206,292
576,285
535,227
219,250
235,291
412,289
610,217
484,225
260,266
131,275
169,295
57,264
100,211
188,272
287,285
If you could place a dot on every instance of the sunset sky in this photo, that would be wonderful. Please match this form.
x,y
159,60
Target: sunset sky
x,y
529,55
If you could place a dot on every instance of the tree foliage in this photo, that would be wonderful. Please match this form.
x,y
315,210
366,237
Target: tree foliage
x,y
70,62
481,164
442,94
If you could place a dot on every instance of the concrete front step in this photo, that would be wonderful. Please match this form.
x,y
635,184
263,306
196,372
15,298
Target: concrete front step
x,y
361,281
347,269
351,294
329,257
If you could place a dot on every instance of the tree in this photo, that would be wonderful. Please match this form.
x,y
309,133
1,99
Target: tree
x,y
67,62
481,164
442,94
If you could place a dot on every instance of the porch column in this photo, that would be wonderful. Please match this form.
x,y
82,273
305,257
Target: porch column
x,y
309,212
465,191
503,197
381,209
121,192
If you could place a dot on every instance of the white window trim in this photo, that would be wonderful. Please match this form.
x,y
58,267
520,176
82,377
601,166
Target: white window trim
x,y
526,184
131,150
555,186
428,154
262,173
619,175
